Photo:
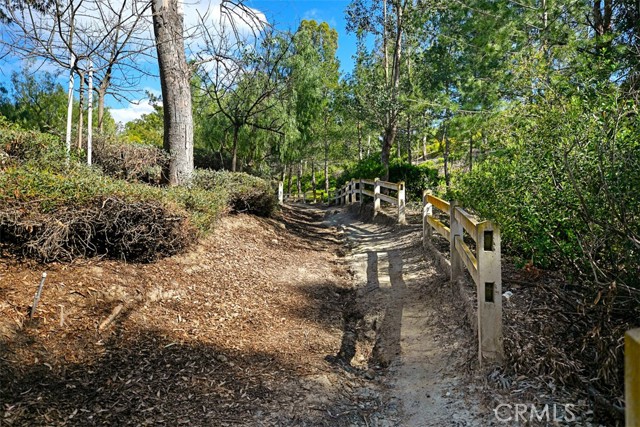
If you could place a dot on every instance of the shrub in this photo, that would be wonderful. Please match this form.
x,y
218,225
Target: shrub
x,y
29,145
415,177
130,161
245,193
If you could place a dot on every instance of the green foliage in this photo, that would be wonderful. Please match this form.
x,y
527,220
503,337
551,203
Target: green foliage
x,y
416,177
36,101
147,130
30,145
565,188
244,193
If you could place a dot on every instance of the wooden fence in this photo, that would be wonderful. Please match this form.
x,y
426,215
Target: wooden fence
x,y
483,261
355,191
632,377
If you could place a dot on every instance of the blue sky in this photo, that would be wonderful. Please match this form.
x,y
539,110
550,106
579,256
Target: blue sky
x,y
284,14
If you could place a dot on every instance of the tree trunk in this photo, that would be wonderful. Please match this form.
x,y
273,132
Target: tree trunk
x,y
447,179
409,138
80,110
313,179
359,128
102,93
391,125
176,90
424,147
72,62
289,179
300,181
387,142
470,153
326,166
234,149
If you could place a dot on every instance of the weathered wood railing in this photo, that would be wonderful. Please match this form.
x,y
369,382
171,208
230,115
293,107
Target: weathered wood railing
x,y
355,190
483,264
632,377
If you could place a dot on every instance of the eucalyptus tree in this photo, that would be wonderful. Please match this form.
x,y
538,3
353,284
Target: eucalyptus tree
x,y
314,74
387,22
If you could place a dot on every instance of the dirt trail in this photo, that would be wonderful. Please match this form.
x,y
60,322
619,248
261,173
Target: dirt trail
x,y
312,319
419,334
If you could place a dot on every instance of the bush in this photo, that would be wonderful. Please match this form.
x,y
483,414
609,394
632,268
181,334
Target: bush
x,y
129,161
245,193
29,145
60,210
61,215
415,177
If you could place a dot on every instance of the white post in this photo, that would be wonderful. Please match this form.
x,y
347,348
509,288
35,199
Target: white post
x,y
376,197
427,211
456,230
489,293
401,204
72,62
90,116
280,193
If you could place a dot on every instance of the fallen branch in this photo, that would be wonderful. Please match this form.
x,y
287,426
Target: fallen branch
x,y
115,313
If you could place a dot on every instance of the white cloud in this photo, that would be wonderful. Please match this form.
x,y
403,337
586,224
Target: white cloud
x,y
311,14
133,111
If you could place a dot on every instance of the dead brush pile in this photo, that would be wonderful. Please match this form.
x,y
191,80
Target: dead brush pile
x,y
116,228
132,162
569,338
54,209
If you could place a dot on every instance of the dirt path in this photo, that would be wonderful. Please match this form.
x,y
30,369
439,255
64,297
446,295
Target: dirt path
x,y
312,319
418,333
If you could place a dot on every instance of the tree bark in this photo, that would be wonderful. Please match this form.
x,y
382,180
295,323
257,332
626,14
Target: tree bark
x,y
409,138
470,153
313,179
289,179
326,166
102,93
299,181
359,128
234,149
447,178
176,91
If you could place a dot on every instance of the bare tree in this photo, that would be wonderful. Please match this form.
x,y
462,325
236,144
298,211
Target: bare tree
x,y
112,34
175,74
240,71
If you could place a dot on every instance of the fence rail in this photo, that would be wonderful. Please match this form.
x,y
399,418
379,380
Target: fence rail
x,y
632,376
483,263
355,191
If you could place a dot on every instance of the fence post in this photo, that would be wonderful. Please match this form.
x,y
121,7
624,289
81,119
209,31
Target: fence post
x,y
632,376
344,194
376,196
351,192
280,192
401,203
361,188
427,211
354,195
489,293
456,230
